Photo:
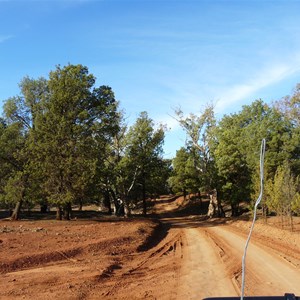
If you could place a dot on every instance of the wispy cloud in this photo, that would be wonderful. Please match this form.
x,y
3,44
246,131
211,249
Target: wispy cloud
x,y
4,38
192,94
263,78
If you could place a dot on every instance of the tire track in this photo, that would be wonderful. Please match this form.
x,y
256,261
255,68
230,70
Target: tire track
x,y
267,273
147,265
203,274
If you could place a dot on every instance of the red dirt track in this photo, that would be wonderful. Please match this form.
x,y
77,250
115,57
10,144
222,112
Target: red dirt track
x,y
184,256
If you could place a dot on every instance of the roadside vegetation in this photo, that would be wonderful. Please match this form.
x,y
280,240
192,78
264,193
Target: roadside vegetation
x,y
64,141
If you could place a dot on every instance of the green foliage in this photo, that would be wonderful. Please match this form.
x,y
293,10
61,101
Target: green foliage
x,y
63,141
133,163
289,106
200,132
143,154
15,188
296,204
237,150
158,183
233,171
13,163
185,177
58,132
72,133
282,194
25,108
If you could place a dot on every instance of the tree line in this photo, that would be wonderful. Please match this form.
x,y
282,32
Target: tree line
x,y
64,141
224,156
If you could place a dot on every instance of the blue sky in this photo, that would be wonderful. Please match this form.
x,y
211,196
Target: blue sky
x,y
158,55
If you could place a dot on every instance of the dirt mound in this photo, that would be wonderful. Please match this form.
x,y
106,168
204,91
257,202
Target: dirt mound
x,y
28,244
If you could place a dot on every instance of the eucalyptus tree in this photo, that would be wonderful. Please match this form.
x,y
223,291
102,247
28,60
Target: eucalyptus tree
x,y
199,129
109,170
290,106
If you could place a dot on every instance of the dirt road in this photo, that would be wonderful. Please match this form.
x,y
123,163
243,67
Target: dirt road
x,y
202,273
211,265
186,257
212,258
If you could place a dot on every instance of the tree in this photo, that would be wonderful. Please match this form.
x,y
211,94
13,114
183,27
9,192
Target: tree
x,y
296,202
109,170
143,153
289,106
234,174
77,122
20,115
237,149
11,143
185,177
199,130
25,108
177,181
282,194
158,182
55,139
